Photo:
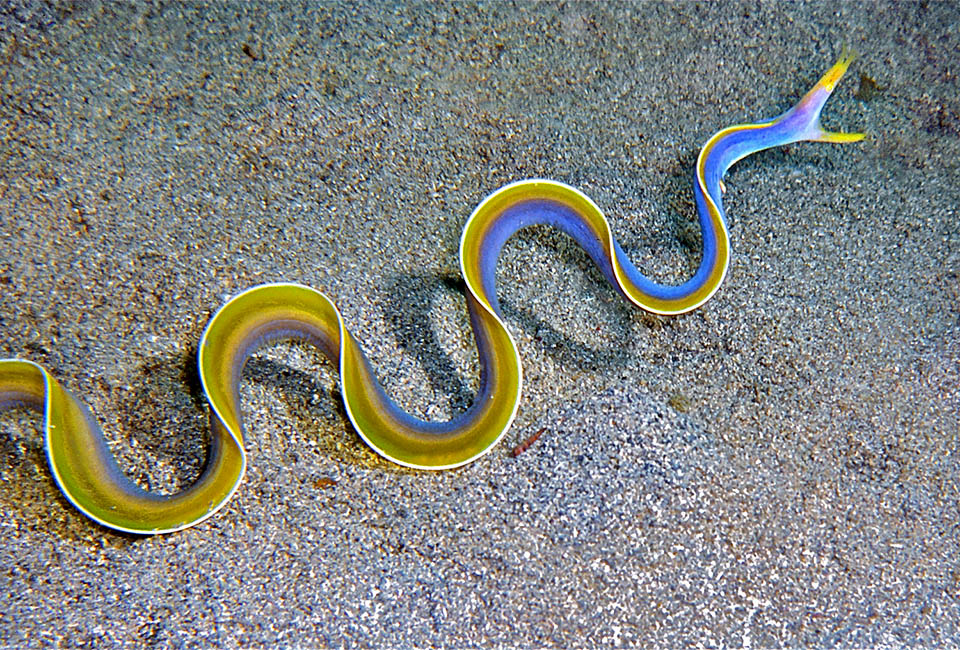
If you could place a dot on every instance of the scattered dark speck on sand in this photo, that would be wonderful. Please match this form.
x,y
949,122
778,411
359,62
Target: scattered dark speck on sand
x,y
868,89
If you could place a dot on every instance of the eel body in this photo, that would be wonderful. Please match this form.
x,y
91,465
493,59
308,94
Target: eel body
x,y
88,474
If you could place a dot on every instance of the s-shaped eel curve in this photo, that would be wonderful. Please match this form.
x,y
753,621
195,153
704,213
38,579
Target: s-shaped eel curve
x,y
87,472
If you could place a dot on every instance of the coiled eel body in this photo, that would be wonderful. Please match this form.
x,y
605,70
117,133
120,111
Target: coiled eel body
x,y
87,472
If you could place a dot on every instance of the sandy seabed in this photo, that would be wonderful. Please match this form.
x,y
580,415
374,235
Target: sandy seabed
x,y
777,468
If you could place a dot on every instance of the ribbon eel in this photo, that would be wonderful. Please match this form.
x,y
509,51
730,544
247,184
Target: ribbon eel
x,y
88,474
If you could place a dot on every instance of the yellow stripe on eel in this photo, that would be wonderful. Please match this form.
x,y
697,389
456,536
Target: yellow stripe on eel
x,y
87,472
